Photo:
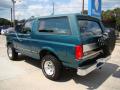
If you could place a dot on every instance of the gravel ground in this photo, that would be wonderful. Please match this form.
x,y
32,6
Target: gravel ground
x,y
26,74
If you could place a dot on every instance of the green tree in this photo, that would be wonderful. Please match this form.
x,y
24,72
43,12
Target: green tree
x,y
117,17
108,19
111,18
4,22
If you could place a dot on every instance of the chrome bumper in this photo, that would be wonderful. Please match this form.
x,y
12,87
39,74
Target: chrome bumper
x,y
82,71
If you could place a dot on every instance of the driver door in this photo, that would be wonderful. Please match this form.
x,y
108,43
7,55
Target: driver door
x,y
22,42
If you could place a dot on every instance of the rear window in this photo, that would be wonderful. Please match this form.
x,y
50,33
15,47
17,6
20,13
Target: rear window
x,y
89,28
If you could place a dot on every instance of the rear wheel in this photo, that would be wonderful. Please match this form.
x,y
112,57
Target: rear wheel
x,y
51,67
107,42
12,54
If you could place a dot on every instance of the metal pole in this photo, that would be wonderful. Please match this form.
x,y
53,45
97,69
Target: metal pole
x,y
53,8
83,7
11,17
13,13
14,18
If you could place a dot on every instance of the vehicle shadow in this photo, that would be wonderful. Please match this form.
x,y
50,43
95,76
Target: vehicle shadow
x,y
36,63
117,74
92,80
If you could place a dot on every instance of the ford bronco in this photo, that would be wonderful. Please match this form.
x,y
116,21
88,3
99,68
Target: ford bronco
x,y
72,40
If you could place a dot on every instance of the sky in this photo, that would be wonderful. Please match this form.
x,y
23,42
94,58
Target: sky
x,y
27,8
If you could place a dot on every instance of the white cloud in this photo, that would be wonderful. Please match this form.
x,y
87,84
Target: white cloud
x,y
115,6
108,1
110,4
21,2
19,14
38,10
41,10
33,10
28,8
5,3
74,6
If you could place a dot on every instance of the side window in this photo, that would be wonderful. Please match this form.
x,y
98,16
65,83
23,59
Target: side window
x,y
55,25
27,28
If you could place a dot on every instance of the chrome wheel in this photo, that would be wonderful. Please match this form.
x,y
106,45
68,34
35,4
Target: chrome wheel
x,y
12,54
9,51
49,67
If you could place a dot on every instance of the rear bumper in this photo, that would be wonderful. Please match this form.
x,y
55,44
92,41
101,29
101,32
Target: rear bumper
x,y
82,71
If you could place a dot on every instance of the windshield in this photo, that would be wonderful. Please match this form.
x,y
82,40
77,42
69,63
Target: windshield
x,y
89,28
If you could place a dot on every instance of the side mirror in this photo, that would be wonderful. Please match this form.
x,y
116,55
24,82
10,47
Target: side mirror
x,y
26,30
18,27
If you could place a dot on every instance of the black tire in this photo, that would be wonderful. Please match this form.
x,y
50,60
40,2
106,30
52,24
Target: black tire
x,y
107,42
57,67
14,54
112,40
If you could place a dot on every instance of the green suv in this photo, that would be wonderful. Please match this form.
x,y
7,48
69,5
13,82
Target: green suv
x,y
72,40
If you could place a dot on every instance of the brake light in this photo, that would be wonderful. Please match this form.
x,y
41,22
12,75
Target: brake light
x,y
78,52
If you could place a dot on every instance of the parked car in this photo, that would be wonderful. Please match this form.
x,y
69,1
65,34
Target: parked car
x,y
72,41
6,31
1,29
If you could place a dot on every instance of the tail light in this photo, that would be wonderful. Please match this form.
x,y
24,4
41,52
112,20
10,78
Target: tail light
x,y
78,52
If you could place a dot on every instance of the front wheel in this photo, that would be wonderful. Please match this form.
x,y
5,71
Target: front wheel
x,y
12,54
51,67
